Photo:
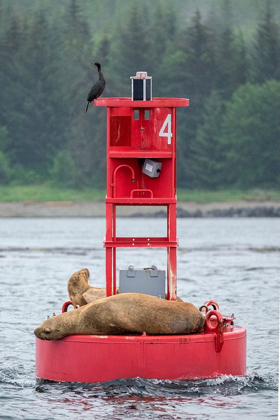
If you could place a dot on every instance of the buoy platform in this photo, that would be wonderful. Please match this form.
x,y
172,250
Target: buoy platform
x,y
218,350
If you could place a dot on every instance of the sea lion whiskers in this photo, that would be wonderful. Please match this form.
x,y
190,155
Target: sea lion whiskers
x,y
42,332
54,328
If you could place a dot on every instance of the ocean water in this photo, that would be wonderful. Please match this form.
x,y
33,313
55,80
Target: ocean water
x,y
233,261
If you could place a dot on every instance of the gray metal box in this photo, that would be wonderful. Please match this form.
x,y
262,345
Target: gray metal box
x,y
152,168
149,281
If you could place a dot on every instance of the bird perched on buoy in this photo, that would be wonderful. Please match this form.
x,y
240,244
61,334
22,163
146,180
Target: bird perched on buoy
x,y
98,88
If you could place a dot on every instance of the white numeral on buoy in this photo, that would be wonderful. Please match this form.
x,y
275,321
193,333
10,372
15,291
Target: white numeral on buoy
x,y
167,134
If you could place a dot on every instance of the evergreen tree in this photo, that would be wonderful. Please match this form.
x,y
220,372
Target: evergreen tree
x,y
37,133
131,50
82,74
5,170
4,138
227,13
232,64
87,147
266,56
226,61
207,150
87,134
241,64
76,29
77,50
64,171
191,72
170,21
250,136
159,33
200,71
12,90
163,38
213,19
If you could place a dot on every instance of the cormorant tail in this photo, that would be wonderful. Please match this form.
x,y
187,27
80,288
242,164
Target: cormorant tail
x,y
87,107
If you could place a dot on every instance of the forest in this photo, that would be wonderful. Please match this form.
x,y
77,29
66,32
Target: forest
x,y
222,55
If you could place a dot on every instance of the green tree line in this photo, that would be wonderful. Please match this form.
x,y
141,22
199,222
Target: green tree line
x,y
228,137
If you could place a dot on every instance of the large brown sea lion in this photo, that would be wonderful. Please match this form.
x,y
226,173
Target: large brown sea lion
x,y
123,314
81,293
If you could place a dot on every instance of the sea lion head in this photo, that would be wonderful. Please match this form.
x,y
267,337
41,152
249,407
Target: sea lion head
x,y
77,285
51,329
79,279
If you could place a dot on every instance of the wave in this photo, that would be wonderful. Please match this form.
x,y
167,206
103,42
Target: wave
x,y
226,385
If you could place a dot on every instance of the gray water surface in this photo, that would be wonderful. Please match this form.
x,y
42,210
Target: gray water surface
x,y
233,261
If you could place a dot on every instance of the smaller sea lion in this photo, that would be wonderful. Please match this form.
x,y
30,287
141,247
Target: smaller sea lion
x,y
127,313
81,293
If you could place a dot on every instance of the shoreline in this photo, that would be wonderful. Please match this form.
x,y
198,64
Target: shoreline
x,y
252,208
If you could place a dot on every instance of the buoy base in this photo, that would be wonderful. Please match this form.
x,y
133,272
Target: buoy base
x,y
95,358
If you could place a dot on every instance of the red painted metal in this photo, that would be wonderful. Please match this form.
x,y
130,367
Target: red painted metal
x,y
212,303
141,200
66,305
141,242
80,358
155,103
138,130
218,327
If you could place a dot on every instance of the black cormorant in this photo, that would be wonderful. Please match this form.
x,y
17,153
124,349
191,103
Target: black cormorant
x,y
98,88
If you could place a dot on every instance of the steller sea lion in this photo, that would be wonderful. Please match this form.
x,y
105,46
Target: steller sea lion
x,y
81,293
125,313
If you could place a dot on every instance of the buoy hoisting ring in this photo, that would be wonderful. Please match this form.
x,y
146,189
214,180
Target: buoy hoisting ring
x,y
65,306
205,307
216,322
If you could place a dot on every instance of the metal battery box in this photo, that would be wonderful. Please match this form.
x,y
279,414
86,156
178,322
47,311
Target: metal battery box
x,y
149,281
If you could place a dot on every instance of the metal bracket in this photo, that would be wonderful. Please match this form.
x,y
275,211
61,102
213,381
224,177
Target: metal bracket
x,y
130,271
154,271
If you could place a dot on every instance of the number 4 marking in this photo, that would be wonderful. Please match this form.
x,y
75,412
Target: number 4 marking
x,y
167,134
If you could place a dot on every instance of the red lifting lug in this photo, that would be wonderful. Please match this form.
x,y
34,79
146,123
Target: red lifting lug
x,y
205,307
214,322
65,306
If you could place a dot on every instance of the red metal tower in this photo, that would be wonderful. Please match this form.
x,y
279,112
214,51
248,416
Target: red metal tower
x,y
141,134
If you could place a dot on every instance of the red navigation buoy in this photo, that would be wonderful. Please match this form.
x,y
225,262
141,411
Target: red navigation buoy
x,y
141,170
